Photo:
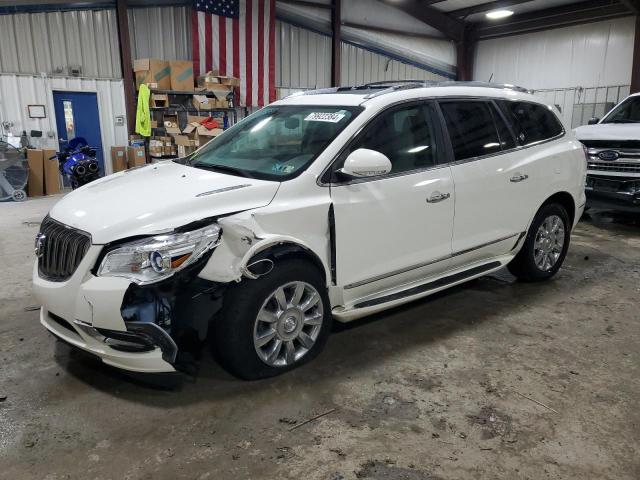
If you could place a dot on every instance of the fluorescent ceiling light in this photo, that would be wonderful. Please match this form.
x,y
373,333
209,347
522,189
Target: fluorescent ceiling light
x,y
497,14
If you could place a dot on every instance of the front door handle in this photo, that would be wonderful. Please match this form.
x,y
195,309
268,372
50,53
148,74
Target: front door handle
x,y
518,177
438,197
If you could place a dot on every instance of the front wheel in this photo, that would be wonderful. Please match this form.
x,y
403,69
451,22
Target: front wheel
x,y
275,323
545,245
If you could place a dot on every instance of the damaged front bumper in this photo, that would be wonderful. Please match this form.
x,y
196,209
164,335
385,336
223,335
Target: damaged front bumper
x,y
154,328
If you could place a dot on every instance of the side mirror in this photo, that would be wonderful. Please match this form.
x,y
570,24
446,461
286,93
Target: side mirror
x,y
593,121
363,163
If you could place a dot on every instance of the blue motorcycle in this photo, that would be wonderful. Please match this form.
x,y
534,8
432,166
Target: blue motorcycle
x,y
78,163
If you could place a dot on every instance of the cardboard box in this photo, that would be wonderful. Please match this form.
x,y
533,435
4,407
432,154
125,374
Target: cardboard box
x,y
136,140
35,186
52,180
136,156
159,100
169,151
181,75
153,72
202,102
196,119
185,144
205,135
231,81
155,146
208,79
171,125
118,158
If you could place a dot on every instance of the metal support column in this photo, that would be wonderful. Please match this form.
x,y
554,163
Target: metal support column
x,y
126,64
335,43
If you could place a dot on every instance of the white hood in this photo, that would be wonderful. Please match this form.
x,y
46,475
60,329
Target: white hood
x,y
157,198
609,131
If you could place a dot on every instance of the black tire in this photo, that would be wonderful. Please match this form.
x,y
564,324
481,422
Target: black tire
x,y
233,339
523,266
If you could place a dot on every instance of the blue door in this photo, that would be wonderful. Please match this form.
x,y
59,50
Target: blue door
x,y
77,116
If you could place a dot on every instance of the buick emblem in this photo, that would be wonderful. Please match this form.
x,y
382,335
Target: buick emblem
x,y
608,155
39,245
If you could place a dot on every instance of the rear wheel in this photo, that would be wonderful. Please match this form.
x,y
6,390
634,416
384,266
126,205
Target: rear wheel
x,y
545,245
275,323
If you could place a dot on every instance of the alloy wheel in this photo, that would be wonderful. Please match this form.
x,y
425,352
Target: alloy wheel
x,y
288,324
549,242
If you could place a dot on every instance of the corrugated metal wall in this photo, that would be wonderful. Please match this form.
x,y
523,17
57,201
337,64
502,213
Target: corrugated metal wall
x,y
160,32
303,61
592,55
51,42
359,66
18,91
303,57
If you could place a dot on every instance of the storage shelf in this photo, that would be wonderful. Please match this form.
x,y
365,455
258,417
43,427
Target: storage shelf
x,y
189,110
186,92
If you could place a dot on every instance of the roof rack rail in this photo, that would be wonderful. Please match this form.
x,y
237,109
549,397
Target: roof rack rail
x,y
475,83
388,86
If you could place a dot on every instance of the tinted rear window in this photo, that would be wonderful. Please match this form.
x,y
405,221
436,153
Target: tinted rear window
x,y
471,129
531,122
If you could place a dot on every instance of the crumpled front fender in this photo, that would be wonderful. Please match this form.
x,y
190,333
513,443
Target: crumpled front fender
x,y
242,239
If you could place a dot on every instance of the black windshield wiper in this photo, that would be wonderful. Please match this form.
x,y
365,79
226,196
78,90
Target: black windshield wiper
x,y
223,168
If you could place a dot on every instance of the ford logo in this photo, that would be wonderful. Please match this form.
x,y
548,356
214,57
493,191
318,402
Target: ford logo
x,y
608,155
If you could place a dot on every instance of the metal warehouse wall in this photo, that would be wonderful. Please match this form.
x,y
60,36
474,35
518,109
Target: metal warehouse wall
x,y
51,42
362,66
303,61
590,55
18,91
160,32
303,57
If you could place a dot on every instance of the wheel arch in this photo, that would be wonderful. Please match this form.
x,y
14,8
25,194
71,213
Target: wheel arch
x,y
567,201
288,249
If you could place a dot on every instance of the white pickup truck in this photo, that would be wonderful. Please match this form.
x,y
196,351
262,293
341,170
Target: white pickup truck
x,y
613,148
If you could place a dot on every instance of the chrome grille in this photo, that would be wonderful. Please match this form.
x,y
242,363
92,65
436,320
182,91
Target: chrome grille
x,y
61,251
615,167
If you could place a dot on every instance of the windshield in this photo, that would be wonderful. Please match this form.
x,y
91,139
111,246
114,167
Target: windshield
x,y
275,143
627,112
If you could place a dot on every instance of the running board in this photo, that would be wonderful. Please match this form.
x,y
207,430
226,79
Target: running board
x,y
439,283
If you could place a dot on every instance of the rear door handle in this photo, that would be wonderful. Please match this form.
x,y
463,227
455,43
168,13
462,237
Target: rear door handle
x,y
518,177
438,197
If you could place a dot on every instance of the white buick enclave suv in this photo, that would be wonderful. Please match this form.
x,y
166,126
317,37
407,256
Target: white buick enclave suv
x,y
333,204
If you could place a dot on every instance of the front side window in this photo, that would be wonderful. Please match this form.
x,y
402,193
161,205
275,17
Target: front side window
x,y
406,135
276,143
627,112
471,128
532,122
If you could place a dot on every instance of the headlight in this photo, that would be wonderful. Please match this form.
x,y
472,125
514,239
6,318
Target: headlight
x,y
156,258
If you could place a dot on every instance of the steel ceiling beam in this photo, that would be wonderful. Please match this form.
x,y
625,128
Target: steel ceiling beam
x,y
486,7
573,14
450,27
632,5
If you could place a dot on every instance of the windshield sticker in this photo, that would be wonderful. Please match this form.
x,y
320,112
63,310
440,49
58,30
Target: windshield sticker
x,y
280,168
325,117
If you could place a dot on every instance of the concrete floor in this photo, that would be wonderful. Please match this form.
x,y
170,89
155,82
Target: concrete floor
x,y
495,379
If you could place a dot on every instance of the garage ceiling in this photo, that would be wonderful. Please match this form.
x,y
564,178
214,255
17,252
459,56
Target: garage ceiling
x,y
465,19
454,18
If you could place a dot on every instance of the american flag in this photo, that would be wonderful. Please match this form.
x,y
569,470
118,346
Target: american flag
x,y
237,38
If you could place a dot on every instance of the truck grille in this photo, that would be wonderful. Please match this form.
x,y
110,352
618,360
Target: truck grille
x,y
62,249
615,167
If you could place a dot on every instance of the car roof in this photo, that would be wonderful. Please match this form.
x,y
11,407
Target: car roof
x,y
390,92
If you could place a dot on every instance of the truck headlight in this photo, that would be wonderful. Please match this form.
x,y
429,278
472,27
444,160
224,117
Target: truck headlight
x,y
155,258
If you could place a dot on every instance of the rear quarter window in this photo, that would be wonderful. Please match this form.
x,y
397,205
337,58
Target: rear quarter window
x,y
531,122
